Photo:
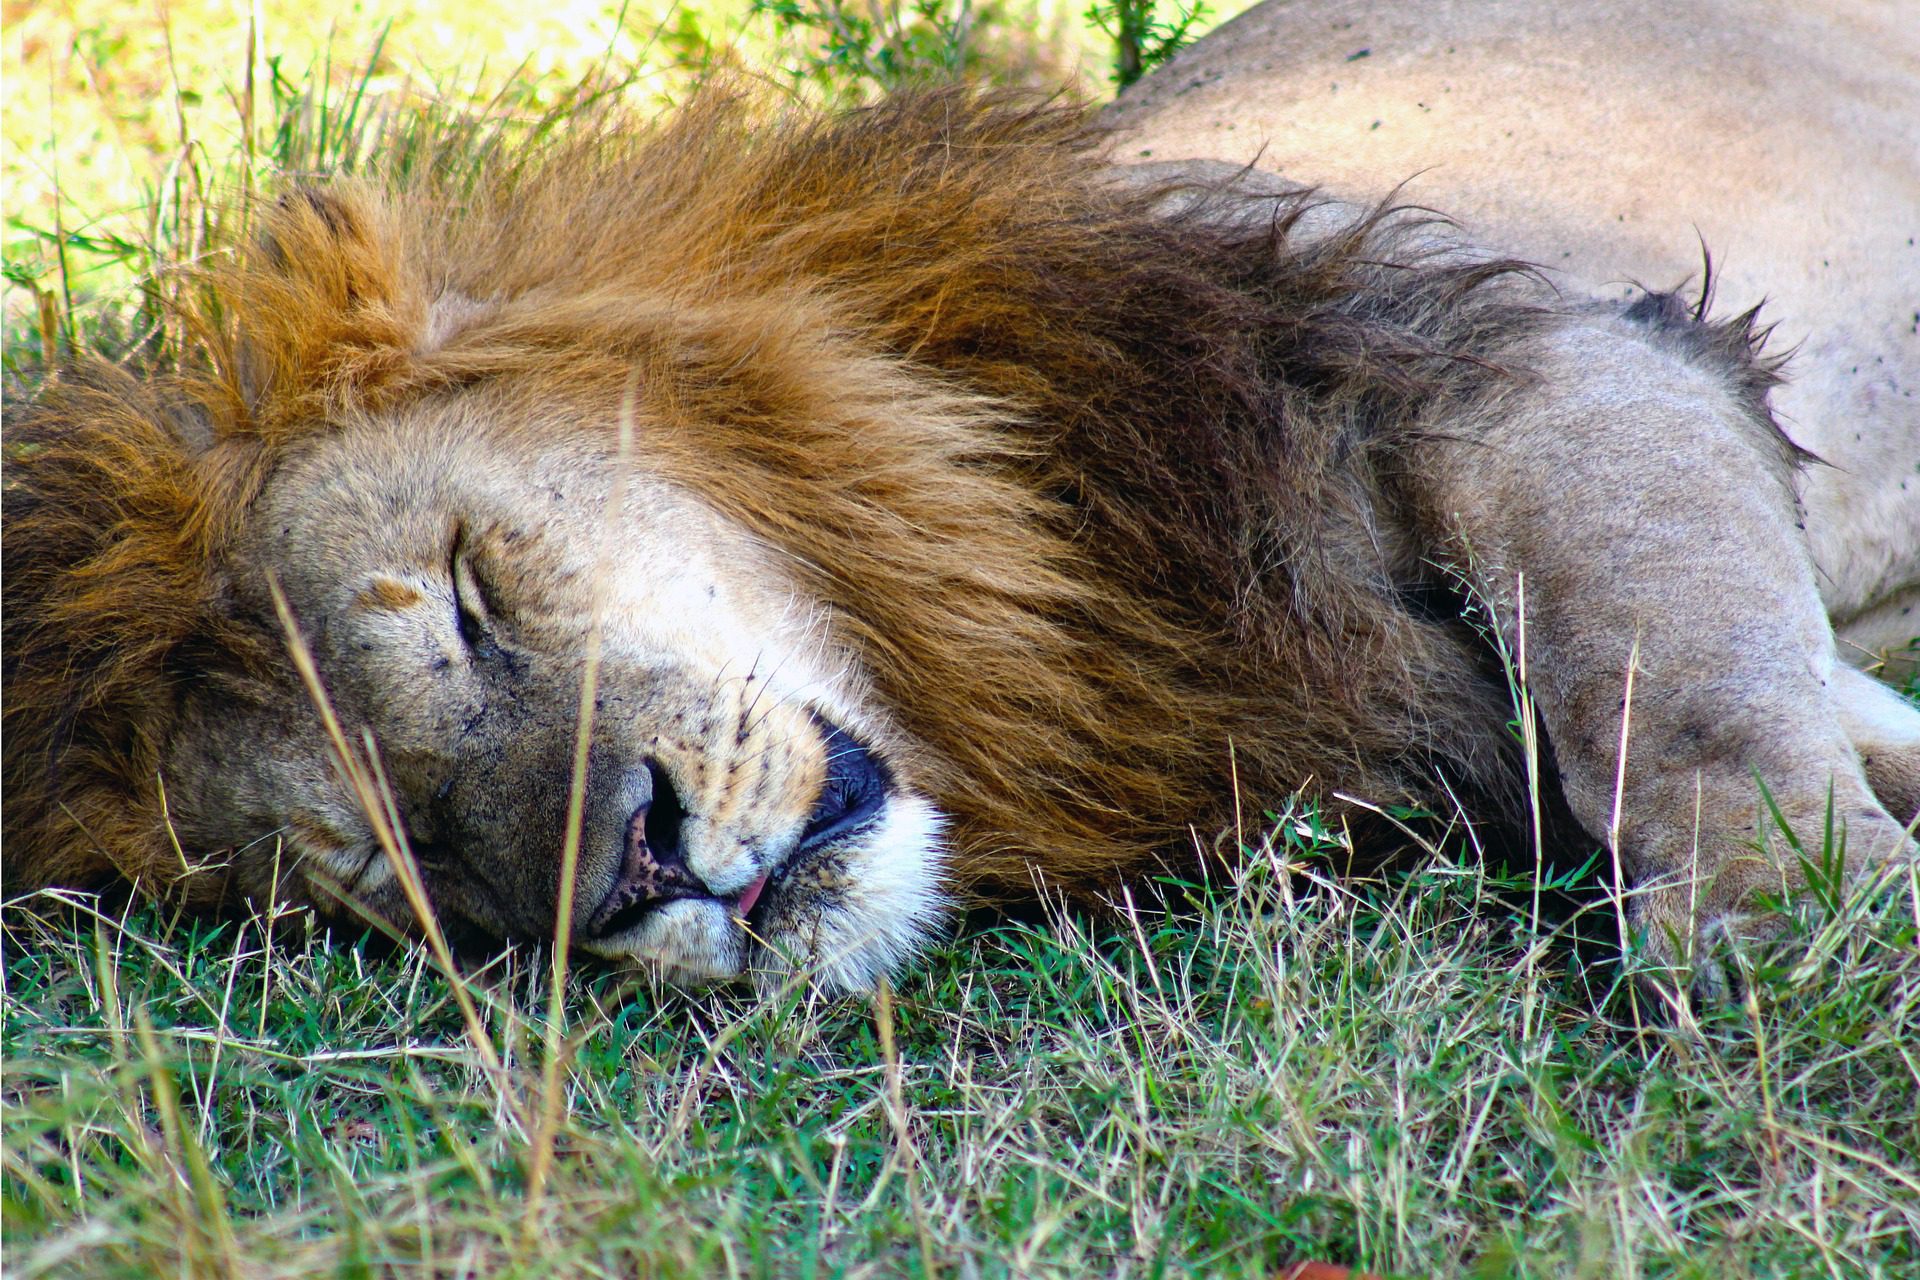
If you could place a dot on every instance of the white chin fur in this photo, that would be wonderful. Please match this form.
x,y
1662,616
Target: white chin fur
x,y
691,941
889,909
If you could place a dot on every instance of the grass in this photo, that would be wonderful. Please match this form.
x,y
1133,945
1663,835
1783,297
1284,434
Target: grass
x,y
1401,1074
1425,1075
128,133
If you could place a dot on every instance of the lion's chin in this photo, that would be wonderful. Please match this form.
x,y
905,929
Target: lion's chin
x,y
841,920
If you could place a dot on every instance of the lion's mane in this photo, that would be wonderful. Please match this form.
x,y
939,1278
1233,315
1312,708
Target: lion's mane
x,y
1102,493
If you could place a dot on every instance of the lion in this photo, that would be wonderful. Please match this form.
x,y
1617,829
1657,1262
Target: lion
x,y
803,524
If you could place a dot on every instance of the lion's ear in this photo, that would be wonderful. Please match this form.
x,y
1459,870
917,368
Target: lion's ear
x,y
105,573
323,241
326,309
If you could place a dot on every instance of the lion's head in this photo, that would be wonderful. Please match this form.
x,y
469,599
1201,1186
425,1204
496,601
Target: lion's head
x,y
924,512
461,570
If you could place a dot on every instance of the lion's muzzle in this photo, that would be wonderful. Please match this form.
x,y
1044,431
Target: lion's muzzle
x,y
654,869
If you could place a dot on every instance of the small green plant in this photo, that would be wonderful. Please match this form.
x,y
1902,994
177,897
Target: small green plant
x,y
850,50
1142,38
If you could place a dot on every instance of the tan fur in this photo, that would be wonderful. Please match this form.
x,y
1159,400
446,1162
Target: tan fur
x,y
1612,143
1609,141
1080,508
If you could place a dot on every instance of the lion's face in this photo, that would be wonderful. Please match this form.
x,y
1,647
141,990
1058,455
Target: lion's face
x,y
744,806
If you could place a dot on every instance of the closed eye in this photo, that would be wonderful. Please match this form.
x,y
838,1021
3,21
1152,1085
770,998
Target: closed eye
x,y
472,613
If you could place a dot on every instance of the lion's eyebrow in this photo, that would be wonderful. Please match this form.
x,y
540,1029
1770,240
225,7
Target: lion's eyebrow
x,y
387,593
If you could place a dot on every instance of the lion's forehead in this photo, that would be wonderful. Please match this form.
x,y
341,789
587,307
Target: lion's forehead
x,y
582,546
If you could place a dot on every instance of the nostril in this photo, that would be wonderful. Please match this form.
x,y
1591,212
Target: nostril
x,y
653,866
661,818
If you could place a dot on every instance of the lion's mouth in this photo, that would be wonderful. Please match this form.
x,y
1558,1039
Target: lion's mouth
x,y
654,871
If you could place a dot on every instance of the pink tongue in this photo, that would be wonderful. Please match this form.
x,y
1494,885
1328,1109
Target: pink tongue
x,y
751,894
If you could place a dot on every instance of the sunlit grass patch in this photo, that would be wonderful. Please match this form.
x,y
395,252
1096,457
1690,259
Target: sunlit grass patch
x,y
127,131
132,136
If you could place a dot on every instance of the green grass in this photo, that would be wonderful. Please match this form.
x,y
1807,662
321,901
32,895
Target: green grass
x,y
1413,1074
1400,1074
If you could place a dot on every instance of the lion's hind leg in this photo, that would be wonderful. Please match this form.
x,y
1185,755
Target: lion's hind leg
x,y
1630,504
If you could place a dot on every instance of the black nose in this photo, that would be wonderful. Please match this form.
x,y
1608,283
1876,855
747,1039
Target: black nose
x,y
855,789
653,869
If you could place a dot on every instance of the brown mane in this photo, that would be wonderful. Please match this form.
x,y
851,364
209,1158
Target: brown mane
x,y
1090,486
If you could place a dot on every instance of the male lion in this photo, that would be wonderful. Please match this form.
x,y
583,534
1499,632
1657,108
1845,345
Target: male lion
x,y
926,511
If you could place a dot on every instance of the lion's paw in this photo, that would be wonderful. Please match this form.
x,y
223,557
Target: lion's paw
x,y
1698,939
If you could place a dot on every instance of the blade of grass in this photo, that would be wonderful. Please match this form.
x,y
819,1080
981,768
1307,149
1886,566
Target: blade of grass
x,y
392,839
897,1113
208,1225
1617,890
541,1159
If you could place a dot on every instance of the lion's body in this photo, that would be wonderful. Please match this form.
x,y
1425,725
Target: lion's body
x,y
1609,143
907,439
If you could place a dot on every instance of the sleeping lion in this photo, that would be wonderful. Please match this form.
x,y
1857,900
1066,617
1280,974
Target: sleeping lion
x,y
801,525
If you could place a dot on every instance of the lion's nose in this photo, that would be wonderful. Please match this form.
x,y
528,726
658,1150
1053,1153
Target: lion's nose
x,y
653,868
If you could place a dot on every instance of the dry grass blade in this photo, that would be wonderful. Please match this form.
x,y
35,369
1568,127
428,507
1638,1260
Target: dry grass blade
x,y
376,802
1618,886
908,1153
206,1228
554,1055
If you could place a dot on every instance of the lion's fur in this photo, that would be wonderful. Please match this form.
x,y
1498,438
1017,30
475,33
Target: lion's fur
x,y
1105,498
1650,130
112,535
